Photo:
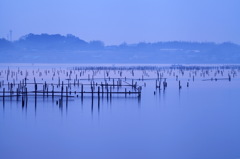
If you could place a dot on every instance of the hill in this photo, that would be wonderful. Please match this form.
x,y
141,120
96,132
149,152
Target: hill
x,y
45,48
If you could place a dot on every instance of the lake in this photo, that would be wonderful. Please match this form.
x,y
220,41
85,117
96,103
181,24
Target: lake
x,y
123,111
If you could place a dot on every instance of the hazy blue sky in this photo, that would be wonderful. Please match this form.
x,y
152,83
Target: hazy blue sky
x,y
117,21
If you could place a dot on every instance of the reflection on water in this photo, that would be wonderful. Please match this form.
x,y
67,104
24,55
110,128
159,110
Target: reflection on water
x,y
79,112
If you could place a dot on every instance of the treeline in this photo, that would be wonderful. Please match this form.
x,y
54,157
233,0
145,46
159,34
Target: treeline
x,y
71,42
69,48
49,42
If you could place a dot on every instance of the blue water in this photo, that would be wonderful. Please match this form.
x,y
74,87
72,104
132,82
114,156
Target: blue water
x,y
201,121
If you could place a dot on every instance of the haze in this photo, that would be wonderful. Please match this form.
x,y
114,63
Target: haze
x,y
118,21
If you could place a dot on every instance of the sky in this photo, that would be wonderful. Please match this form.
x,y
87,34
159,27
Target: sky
x,y
130,21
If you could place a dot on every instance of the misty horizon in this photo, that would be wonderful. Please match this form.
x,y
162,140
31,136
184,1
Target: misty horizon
x,y
115,22
11,39
122,79
71,49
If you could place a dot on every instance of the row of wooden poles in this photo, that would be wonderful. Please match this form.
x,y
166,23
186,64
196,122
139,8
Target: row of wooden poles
x,y
159,73
95,89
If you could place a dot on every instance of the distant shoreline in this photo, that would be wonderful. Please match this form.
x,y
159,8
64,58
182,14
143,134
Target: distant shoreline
x,y
99,65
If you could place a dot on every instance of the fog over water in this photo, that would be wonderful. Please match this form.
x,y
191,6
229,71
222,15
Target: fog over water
x,y
200,119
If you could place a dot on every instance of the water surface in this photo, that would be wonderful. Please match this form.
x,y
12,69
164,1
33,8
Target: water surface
x,y
199,121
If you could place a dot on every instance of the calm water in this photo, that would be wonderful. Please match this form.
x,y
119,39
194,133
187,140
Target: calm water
x,y
201,121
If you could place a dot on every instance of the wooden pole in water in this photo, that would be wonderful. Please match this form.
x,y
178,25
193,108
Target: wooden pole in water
x,y
43,91
52,91
156,84
35,92
66,95
102,89
62,91
98,92
82,91
26,95
3,96
159,85
125,92
107,92
139,91
47,90
132,83
92,93
11,90
110,92
17,94
22,99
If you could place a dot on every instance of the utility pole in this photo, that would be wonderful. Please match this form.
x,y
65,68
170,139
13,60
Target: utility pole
x,y
10,34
